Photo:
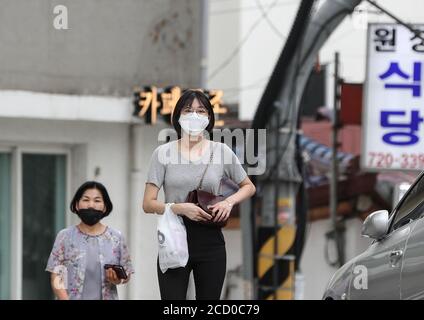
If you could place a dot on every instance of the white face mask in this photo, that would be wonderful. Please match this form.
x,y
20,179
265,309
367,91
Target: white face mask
x,y
193,123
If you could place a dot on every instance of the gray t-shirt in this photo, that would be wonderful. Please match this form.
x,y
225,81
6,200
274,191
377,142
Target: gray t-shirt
x,y
93,277
178,176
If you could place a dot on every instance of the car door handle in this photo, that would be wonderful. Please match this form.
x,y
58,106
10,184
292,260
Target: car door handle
x,y
394,257
396,254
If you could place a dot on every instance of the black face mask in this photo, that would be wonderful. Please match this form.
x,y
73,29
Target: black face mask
x,y
90,216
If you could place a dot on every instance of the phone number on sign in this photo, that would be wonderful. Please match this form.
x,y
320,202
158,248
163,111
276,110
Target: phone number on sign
x,y
403,161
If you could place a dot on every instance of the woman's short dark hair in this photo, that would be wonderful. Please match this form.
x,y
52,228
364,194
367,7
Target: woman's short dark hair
x,y
92,185
186,99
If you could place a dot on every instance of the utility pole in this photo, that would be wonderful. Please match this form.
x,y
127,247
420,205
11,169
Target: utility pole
x,y
276,255
337,227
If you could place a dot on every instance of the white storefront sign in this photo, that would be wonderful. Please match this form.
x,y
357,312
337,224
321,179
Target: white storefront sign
x,y
393,135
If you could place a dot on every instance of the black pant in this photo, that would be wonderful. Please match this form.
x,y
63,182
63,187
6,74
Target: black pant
x,y
207,259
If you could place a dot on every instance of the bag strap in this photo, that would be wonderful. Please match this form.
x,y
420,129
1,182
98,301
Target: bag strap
x,y
220,186
204,172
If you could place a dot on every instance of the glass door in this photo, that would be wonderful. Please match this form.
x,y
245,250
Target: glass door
x,y
43,211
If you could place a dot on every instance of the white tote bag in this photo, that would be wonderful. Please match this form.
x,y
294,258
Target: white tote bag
x,y
172,240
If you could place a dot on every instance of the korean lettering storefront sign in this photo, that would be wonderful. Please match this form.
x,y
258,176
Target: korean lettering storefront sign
x,y
393,133
149,101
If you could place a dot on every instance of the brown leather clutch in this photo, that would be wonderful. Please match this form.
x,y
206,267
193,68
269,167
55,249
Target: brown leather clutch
x,y
203,199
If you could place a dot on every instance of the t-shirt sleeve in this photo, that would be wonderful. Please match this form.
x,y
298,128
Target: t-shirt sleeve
x,y
156,173
233,168
57,255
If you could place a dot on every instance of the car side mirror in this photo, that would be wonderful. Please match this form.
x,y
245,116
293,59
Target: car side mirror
x,y
376,224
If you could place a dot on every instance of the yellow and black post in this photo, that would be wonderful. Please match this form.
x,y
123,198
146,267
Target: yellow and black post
x,y
276,268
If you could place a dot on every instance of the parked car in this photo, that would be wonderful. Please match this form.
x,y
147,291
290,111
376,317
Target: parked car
x,y
393,265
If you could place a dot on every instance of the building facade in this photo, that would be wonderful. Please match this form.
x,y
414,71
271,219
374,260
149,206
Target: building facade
x,y
67,76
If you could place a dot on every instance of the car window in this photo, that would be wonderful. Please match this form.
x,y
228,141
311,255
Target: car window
x,y
412,207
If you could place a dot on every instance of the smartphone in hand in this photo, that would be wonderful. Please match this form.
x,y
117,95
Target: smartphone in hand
x,y
119,270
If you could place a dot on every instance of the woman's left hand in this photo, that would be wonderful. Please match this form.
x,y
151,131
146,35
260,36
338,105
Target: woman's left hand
x,y
112,277
221,211
126,280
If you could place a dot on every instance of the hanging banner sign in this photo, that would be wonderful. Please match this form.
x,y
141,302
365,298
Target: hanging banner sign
x,y
393,130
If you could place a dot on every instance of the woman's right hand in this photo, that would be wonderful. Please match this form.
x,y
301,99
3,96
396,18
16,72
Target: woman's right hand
x,y
191,211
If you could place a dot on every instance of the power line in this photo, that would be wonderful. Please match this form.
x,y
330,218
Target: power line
x,y
215,1
248,86
248,8
256,85
410,27
241,43
268,20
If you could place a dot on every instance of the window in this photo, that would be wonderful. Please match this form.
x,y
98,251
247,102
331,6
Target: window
x,y
412,207
5,224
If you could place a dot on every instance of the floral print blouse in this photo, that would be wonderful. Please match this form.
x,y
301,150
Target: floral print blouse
x,y
69,257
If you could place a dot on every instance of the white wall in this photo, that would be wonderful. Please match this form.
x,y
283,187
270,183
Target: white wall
x,y
142,227
37,105
234,261
260,53
223,38
243,46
